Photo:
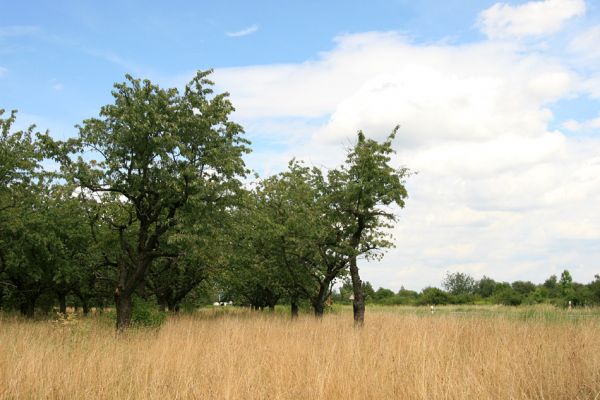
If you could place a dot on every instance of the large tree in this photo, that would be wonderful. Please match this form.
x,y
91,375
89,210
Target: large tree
x,y
364,192
154,149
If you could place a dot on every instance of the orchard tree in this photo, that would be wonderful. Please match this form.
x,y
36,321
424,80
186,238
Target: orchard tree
x,y
198,245
364,192
20,158
23,252
155,149
306,235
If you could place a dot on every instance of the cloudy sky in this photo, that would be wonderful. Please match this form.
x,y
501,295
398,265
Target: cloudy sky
x,y
498,103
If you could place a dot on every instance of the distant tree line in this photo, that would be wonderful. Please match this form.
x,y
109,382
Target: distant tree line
x,y
461,288
152,204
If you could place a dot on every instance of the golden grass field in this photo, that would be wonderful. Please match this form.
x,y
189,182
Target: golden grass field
x,y
249,355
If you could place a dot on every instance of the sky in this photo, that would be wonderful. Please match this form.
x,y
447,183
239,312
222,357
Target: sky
x,y
498,105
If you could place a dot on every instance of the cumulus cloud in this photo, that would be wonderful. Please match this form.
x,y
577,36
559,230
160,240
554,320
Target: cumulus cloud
x,y
244,32
498,191
535,18
578,126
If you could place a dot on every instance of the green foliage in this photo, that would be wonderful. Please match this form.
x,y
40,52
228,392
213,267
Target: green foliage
x,y
485,287
145,313
507,296
459,284
434,296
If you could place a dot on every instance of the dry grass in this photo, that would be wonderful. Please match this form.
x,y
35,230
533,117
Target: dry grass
x,y
250,356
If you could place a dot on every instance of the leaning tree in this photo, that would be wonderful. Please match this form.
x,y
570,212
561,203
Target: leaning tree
x,y
363,193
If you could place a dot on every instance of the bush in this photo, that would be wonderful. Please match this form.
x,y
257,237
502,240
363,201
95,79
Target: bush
x,y
145,313
508,297
433,295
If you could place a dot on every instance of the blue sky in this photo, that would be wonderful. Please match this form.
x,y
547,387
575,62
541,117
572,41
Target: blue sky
x,y
499,105
62,57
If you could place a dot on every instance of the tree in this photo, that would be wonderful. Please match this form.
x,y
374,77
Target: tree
x,y
363,192
523,288
485,287
382,294
19,163
157,148
594,287
458,283
434,296
23,252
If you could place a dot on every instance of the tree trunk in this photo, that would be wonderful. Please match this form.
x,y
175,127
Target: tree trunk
x,y
85,306
272,307
62,303
124,303
358,305
27,308
319,308
84,300
318,303
294,308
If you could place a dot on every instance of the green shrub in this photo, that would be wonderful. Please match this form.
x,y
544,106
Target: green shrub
x,y
508,297
146,313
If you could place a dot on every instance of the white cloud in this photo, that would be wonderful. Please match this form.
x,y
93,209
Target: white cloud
x,y
587,41
578,126
497,193
534,18
244,32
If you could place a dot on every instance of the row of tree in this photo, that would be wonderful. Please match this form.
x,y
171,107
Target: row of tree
x,y
153,200
461,288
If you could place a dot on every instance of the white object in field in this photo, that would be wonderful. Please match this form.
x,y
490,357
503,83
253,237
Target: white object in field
x,y
570,305
216,303
351,297
432,308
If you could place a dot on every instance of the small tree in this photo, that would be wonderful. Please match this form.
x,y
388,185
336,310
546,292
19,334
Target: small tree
x,y
458,283
363,192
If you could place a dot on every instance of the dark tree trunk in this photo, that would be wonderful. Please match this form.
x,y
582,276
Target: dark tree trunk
x,y
124,303
318,302
62,303
294,308
358,306
86,307
319,309
85,303
271,307
27,307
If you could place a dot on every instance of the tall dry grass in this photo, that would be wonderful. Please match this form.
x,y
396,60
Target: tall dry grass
x,y
252,356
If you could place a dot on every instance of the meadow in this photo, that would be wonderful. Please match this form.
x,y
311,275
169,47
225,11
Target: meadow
x,y
466,352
